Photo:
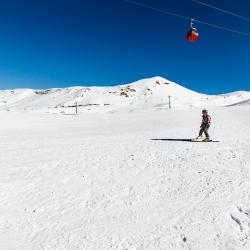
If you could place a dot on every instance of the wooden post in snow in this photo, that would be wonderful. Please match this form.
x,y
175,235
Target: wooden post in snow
x,y
76,107
169,102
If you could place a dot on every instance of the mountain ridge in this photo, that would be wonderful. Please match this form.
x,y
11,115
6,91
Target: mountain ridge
x,y
144,93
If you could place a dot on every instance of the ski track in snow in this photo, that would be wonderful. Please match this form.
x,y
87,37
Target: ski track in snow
x,y
99,181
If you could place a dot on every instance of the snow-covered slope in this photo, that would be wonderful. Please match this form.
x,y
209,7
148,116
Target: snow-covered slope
x,y
246,102
117,181
152,92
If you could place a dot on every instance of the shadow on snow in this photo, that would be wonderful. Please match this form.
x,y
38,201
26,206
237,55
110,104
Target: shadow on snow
x,y
172,140
180,140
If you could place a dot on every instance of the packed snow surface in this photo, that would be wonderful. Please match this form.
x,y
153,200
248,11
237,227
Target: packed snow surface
x,y
125,179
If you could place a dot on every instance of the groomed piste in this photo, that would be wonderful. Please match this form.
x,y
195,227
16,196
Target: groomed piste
x,y
123,174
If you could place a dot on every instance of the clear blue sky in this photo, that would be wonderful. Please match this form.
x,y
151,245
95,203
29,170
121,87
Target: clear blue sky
x,y
57,43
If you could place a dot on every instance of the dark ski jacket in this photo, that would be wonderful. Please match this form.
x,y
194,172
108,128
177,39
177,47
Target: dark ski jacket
x,y
206,120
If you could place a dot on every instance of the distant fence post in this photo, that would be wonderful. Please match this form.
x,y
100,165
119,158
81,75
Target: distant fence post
x,y
169,102
76,107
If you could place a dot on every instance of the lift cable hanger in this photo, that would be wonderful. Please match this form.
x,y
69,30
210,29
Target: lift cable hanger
x,y
219,9
186,18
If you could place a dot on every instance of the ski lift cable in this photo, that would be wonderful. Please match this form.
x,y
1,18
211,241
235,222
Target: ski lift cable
x,y
155,9
223,28
186,18
219,9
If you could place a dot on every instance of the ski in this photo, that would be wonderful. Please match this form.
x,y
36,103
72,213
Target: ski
x,y
195,140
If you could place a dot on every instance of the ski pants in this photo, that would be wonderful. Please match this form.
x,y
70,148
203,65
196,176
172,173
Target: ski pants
x,y
204,129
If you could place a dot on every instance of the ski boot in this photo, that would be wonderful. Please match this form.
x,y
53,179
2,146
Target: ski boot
x,y
199,138
207,139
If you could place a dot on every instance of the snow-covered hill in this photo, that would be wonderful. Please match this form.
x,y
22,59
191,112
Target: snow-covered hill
x,y
152,92
242,103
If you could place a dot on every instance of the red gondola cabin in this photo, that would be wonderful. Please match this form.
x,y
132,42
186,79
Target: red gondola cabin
x,y
192,35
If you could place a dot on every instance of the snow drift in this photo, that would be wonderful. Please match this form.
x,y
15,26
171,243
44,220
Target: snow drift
x,y
242,103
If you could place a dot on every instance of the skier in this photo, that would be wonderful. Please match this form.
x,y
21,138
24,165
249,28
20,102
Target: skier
x,y
205,124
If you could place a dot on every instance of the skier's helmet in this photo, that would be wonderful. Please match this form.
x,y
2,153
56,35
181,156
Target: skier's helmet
x,y
204,111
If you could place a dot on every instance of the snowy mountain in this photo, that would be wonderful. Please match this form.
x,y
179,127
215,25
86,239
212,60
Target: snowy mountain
x,y
123,180
152,92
